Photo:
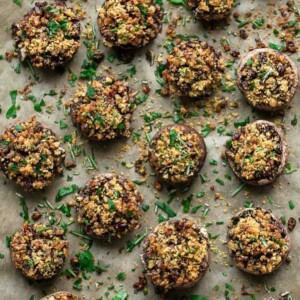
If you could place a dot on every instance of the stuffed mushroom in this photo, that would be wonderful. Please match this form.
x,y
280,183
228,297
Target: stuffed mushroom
x,y
30,154
257,153
193,69
268,79
176,254
48,35
257,241
210,10
103,108
109,206
176,154
61,296
39,250
129,24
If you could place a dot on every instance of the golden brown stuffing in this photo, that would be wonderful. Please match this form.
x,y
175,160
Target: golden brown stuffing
x,y
177,153
30,154
48,35
210,10
109,206
193,69
257,151
39,250
129,24
61,296
258,242
103,108
176,255
268,79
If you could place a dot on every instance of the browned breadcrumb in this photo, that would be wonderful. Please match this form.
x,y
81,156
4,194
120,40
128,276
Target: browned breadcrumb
x,y
61,296
39,250
176,254
48,35
210,10
177,153
109,206
268,79
193,69
106,114
129,24
256,151
30,154
257,241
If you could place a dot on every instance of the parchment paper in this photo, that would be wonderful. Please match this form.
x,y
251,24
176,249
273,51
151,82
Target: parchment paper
x,y
110,155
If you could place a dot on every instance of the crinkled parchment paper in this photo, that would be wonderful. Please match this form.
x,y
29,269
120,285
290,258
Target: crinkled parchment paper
x,y
109,156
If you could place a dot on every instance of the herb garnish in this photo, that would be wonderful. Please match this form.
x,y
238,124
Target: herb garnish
x,y
12,111
65,191
134,243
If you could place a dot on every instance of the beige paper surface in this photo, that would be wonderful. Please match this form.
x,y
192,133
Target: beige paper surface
x,y
109,156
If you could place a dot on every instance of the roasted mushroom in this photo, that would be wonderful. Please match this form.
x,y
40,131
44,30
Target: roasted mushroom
x,y
257,153
268,79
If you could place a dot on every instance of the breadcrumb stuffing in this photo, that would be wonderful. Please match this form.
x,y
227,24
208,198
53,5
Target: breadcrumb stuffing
x,y
257,241
256,151
109,206
193,69
177,153
105,111
39,250
210,10
30,154
61,296
129,24
268,79
176,254
48,35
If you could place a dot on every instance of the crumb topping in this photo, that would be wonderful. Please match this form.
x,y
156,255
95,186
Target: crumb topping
x,y
257,241
210,10
176,254
177,153
61,296
103,108
39,250
48,35
129,24
256,151
193,69
268,79
30,154
109,206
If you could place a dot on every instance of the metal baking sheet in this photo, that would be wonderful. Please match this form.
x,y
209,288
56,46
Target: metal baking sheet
x,y
110,155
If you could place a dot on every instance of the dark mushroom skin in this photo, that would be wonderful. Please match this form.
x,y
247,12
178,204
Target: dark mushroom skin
x,y
48,35
258,243
39,250
30,154
176,154
129,24
257,153
193,70
109,206
169,268
268,79
62,296
106,113
210,10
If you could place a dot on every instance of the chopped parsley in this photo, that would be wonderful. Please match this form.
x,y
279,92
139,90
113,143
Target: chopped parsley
x,y
65,191
166,208
134,243
121,276
18,2
12,111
